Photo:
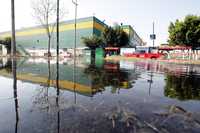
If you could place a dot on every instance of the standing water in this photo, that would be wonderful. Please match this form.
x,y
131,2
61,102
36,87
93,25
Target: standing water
x,y
118,97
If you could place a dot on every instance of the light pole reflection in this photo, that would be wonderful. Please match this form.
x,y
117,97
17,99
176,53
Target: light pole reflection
x,y
14,67
57,95
57,68
150,81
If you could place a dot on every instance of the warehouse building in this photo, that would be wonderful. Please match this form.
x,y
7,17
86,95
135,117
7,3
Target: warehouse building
x,y
35,39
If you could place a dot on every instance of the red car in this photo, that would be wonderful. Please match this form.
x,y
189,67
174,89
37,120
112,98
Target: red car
x,y
145,55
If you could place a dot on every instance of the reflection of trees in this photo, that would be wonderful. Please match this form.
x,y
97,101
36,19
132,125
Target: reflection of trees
x,y
8,66
43,98
46,101
102,77
183,87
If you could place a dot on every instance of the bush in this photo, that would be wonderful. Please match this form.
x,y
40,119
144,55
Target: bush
x,y
115,37
7,43
92,42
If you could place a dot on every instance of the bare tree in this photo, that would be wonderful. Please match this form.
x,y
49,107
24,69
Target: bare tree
x,y
45,11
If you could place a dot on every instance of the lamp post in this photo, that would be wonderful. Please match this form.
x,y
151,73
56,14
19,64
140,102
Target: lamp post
x,y
75,28
75,24
153,35
57,27
13,54
57,66
13,40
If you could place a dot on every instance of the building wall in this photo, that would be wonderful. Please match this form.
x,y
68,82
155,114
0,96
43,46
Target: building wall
x,y
135,39
36,38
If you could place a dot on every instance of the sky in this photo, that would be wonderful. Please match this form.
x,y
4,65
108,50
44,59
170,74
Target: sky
x,y
140,14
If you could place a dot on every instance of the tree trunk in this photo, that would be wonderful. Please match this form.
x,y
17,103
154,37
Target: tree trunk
x,y
93,56
49,44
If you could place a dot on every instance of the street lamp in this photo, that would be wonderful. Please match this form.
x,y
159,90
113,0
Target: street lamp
x,y
57,66
153,36
13,41
75,24
13,54
57,27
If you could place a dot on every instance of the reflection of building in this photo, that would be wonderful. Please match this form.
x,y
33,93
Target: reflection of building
x,y
3,62
89,80
38,73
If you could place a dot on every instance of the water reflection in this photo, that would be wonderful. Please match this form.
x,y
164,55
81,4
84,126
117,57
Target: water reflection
x,y
183,87
14,67
64,96
150,80
57,94
90,79
87,80
108,75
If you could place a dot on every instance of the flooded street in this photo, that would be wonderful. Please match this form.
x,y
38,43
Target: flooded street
x,y
144,96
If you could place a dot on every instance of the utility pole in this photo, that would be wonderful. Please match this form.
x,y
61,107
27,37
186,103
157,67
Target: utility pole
x,y
154,35
75,25
13,40
75,34
13,55
57,27
57,65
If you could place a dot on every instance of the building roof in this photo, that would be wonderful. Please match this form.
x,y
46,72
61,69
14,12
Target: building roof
x,y
86,19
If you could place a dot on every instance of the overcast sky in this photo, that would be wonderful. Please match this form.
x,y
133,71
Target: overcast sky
x,y
138,13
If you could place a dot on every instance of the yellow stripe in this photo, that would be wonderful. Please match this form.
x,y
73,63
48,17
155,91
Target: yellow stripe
x,y
64,84
5,35
82,25
65,27
126,30
99,26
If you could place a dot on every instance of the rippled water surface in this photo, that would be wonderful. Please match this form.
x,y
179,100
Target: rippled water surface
x,y
42,96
